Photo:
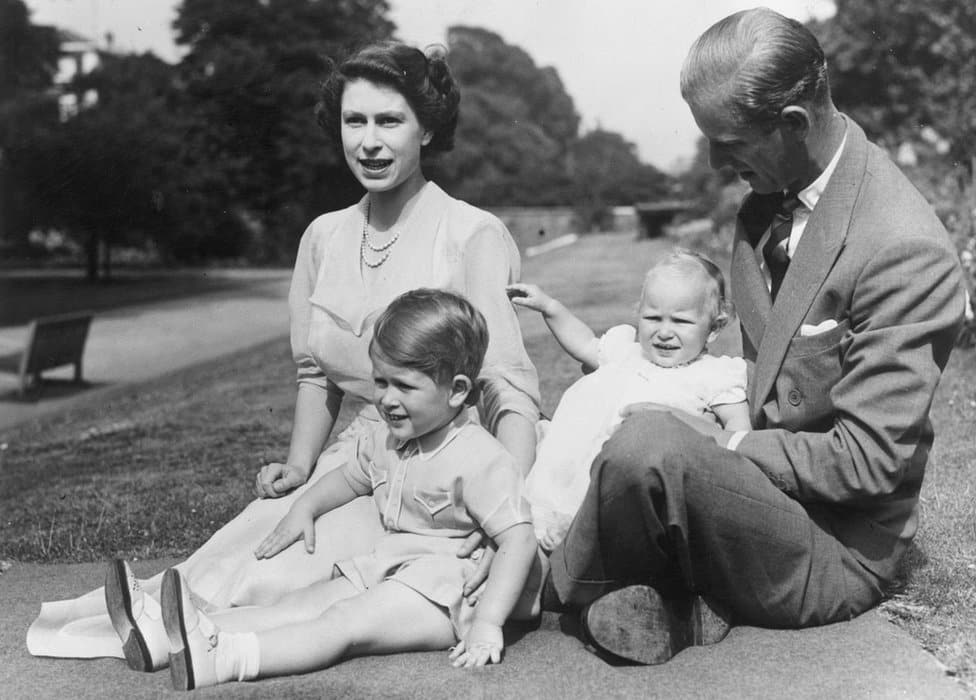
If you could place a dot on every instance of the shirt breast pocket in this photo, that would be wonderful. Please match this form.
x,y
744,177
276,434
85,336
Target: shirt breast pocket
x,y
435,504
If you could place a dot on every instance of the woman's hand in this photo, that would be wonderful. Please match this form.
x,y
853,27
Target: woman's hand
x,y
482,644
276,480
471,547
296,525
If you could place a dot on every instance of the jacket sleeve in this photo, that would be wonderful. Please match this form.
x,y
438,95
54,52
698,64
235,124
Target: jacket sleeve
x,y
904,314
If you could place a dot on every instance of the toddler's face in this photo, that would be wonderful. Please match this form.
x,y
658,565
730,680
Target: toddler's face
x,y
673,324
410,402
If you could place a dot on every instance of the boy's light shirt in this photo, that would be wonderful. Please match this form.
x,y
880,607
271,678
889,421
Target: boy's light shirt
x,y
808,196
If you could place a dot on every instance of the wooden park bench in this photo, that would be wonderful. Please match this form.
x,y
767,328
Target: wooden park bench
x,y
52,341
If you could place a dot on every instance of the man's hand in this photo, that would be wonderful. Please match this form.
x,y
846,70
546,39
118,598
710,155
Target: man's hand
x,y
276,480
484,642
296,525
471,547
700,425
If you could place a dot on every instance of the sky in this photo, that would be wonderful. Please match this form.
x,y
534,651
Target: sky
x,y
618,59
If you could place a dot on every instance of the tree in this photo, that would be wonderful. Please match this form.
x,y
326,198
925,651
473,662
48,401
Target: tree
x,y
898,66
516,128
28,60
106,175
606,171
251,77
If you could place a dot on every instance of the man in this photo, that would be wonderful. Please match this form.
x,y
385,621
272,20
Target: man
x,y
850,298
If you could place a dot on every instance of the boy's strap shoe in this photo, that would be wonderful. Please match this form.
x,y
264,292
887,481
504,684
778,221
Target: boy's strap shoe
x,y
636,624
137,619
193,637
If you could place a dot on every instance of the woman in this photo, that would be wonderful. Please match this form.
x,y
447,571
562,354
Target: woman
x,y
387,105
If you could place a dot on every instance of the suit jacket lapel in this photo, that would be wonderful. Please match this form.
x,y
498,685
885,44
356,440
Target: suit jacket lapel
x,y
749,291
822,241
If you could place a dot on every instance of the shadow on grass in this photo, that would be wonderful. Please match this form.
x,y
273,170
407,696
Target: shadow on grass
x,y
48,389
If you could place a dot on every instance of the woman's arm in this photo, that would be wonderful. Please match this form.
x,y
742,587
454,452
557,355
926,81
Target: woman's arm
x,y
316,409
318,401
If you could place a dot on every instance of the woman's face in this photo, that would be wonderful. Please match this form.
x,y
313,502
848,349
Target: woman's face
x,y
381,136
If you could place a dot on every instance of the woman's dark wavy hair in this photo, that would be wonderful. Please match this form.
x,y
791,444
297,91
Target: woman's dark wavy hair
x,y
424,80
435,332
755,63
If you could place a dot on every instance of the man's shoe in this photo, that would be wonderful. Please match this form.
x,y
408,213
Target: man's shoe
x,y
137,619
636,624
193,637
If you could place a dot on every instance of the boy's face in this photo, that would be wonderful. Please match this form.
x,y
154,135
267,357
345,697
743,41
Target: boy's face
x,y
673,324
410,402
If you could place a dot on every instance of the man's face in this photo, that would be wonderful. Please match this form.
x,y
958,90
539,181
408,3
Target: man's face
x,y
767,159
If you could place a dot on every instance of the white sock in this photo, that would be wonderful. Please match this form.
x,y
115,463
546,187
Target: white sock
x,y
238,656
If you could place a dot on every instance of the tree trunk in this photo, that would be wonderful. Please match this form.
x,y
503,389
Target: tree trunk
x,y
91,256
106,259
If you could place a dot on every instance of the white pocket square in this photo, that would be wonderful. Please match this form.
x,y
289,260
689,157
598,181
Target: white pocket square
x,y
806,329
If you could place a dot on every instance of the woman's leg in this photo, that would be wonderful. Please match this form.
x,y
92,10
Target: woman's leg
x,y
387,618
295,607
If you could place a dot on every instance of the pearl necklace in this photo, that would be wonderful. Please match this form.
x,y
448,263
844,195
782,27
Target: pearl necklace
x,y
367,242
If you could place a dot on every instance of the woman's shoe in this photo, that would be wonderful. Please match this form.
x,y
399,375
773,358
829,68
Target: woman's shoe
x,y
192,637
637,625
137,619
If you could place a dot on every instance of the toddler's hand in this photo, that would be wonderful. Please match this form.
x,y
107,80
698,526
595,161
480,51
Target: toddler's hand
x,y
297,524
529,296
482,644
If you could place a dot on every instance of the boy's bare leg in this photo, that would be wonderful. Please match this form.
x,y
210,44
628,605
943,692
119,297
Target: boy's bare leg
x,y
298,606
385,619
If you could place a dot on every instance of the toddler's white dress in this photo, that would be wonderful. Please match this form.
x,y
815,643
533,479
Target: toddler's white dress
x,y
589,412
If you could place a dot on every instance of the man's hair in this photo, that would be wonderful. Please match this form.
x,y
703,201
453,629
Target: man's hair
x,y
433,331
755,63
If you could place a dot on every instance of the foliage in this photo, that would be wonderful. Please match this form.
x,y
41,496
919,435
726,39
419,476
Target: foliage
x,y
251,78
898,66
120,154
28,53
28,59
516,126
606,171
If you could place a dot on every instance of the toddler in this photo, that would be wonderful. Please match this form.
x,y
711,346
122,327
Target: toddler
x,y
435,476
663,360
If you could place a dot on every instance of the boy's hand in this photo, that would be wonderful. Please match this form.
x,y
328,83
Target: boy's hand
x,y
297,524
529,296
482,644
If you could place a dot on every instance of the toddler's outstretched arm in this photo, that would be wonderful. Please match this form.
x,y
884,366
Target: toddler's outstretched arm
x,y
573,335
483,642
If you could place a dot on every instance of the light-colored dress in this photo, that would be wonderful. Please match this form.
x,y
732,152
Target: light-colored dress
x,y
444,243
428,503
589,412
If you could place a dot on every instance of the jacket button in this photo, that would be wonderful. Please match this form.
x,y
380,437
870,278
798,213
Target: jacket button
x,y
794,397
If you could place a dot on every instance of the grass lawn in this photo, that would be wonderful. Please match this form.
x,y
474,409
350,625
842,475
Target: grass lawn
x,y
151,470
